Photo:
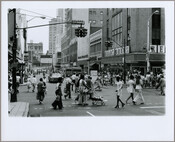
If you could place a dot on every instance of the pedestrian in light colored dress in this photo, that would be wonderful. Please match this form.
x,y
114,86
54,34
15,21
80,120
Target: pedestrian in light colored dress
x,y
130,88
29,84
83,93
138,91
119,86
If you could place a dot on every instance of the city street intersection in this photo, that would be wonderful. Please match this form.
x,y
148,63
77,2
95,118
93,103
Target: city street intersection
x,y
154,104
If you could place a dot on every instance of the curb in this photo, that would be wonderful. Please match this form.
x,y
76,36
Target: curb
x,y
18,109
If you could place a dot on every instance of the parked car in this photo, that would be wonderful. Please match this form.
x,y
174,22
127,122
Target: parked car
x,y
54,77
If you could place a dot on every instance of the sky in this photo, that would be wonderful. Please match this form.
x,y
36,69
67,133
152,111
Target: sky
x,y
39,34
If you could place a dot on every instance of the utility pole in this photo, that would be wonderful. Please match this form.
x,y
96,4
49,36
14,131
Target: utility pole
x,y
124,63
14,48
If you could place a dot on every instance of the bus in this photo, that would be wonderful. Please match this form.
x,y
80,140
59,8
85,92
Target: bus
x,y
71,70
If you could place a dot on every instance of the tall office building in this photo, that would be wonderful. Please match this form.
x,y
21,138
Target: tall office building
x,y
55,31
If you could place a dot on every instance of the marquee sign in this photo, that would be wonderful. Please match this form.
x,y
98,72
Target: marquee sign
x,y
117,51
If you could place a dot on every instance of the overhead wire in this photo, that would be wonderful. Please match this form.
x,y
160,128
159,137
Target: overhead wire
x,y
36,13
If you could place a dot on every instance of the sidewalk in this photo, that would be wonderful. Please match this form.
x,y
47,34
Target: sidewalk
x,y
18,109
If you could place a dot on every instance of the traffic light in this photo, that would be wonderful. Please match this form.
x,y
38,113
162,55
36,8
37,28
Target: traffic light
x,y
84,32
81,32
77,32
111,43
108,43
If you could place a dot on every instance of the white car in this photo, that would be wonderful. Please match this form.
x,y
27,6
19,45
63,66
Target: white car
x,y
54,77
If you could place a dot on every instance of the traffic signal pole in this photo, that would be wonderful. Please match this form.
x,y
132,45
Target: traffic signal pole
x,y
14,48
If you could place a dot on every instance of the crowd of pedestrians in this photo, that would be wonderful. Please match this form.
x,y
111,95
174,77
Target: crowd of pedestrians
x,y
85,89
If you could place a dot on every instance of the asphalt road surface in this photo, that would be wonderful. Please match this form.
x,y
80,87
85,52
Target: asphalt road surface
x,y
154,104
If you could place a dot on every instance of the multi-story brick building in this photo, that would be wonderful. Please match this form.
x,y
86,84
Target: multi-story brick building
x,y
128,27
35,51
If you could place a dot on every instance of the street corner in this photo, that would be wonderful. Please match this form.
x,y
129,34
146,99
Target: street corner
x,y
18,109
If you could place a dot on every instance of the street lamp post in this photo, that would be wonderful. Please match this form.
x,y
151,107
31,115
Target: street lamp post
x,y
25,35
124,60
147,53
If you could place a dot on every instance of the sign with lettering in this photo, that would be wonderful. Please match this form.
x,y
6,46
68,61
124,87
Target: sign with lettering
x,y
161,48
109,53
119,51
153,49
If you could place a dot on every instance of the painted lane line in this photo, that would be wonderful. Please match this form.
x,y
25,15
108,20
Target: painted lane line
x,y
35,108
154,112
154,107
90,114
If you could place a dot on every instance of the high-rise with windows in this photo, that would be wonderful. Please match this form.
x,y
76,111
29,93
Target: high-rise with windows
x,y
55,31
128,28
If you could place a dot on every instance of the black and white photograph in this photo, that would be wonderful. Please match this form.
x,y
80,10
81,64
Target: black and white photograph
x,y
99,68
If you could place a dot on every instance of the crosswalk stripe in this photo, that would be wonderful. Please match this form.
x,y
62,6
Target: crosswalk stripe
x,y
154,112
90,114
153,107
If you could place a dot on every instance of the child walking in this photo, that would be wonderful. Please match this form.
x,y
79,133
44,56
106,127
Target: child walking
x,y
119,85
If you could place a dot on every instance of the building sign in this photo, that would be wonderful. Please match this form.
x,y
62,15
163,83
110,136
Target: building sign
x,y
46,60
127,49
161,49
153,49
157,49
109,53
81,57
117,51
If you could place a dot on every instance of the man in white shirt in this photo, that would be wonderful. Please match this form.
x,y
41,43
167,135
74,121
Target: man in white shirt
x,y
34,82
73,77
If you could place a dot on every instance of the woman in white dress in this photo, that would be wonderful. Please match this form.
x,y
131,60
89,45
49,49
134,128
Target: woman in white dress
x,y
138,91
130,88
119,86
